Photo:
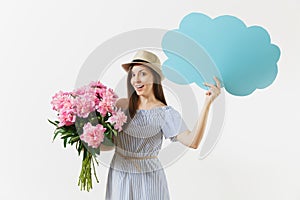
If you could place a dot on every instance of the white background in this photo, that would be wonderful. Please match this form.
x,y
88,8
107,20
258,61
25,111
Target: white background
x,y
43,45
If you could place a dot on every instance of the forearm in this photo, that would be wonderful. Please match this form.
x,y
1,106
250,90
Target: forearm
x,y
193,138
106,148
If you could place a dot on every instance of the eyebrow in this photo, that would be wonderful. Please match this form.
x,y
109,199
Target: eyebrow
x,y
138,71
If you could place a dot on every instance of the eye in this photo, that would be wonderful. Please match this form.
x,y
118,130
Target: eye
x,y
143,73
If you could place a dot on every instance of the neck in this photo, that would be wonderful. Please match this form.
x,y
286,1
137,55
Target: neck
x,y
146,100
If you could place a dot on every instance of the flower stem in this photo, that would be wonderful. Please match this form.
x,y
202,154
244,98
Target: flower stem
x,y
95,169
85,179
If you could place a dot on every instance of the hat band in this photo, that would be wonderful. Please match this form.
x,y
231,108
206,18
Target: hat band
x,y
139,60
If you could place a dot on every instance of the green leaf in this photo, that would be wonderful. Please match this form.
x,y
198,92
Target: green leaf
x,y
66,135
60,130
55,124
115,132
65,142
79,149
55,134
71,129
74,139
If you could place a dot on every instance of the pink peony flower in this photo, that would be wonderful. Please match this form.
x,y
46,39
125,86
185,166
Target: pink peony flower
x,y
60,99
82,101
66,118
63,103
110,97
93,135
107,103
97,84
81,91
103,108
99,93
84,104
119,118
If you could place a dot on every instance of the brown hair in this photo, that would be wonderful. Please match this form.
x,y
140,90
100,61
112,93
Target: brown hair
x,y
132,95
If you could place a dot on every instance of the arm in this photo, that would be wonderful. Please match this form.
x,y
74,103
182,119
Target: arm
x,y
106,148
193,138
121,103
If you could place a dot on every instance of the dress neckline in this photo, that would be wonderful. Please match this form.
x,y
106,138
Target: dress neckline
x,y
155,108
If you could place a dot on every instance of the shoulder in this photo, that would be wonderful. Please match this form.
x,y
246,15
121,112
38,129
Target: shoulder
x,y
122,103
169,109
159,104
171,114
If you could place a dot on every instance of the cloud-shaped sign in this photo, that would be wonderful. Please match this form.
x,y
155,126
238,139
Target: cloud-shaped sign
x,y
242,57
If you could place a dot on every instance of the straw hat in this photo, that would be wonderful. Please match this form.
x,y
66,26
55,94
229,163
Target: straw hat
x,y
146,58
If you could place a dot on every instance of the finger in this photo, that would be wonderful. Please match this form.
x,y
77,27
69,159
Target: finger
x,y
218,82
214,88
208,84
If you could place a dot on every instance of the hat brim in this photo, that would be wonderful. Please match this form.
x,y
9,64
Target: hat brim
x,y
155,67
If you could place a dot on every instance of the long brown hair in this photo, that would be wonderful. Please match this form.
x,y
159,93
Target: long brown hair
x,y
132,95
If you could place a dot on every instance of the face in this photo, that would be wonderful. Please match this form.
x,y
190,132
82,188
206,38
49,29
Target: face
x,y
142,80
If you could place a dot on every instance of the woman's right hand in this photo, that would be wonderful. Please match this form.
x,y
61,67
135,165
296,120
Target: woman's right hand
x,y
213,91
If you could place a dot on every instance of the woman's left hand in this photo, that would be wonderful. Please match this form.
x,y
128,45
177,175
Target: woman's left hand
x,y
213,91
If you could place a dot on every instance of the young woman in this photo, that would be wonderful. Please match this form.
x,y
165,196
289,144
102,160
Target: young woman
x,y
135,171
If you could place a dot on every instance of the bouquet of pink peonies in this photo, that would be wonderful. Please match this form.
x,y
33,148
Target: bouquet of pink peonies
x,y
88,118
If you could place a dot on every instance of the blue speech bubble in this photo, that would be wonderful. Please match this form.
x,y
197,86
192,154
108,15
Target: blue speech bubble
x,y
242,57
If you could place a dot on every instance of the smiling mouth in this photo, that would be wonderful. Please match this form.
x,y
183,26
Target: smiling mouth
x,y
139,87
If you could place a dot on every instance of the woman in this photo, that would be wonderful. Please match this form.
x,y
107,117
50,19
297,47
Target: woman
x,y
135,172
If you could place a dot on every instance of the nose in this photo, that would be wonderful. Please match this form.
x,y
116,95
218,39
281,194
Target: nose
x,y
136,78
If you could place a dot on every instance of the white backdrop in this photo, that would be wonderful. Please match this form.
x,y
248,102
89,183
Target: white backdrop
x,y
43,45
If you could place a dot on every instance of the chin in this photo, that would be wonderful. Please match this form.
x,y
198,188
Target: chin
x,y
140,93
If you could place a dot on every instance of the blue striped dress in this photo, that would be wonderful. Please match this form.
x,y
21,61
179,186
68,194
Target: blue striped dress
x,y
135,172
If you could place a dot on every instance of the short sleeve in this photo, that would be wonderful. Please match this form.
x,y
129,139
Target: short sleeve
x,y
172,124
